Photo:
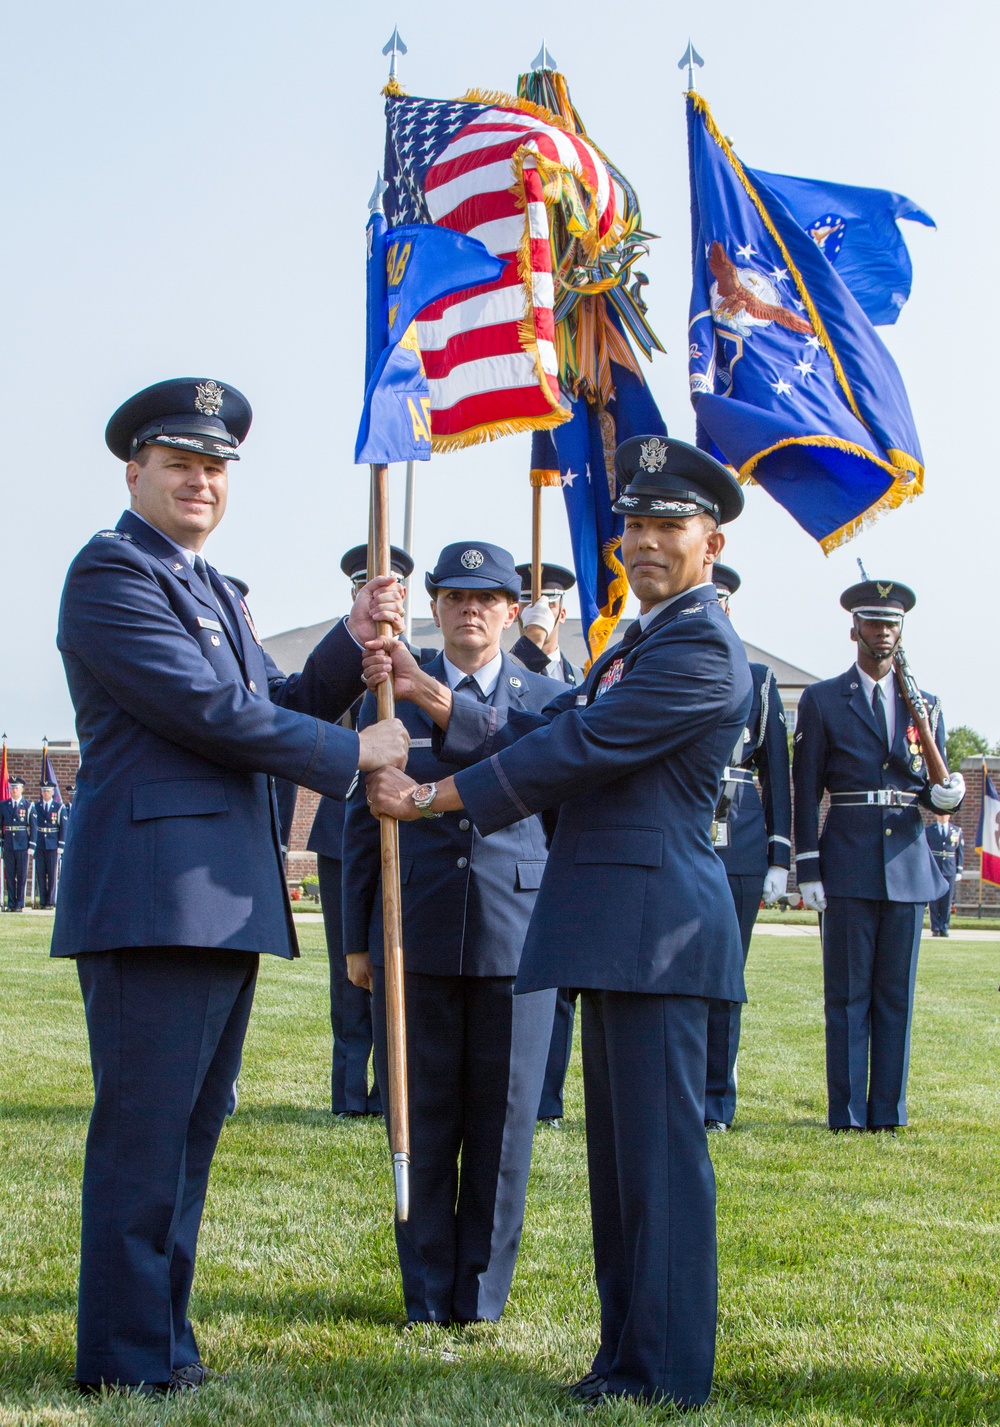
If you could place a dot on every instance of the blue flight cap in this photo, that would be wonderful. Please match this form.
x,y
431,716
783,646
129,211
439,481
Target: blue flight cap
x,y
663,477
724,577
878,599
188,413
556,579
355,562
474,565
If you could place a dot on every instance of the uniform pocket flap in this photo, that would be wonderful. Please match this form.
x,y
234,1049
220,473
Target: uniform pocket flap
x,y
405,869
529,875
634,846
179,798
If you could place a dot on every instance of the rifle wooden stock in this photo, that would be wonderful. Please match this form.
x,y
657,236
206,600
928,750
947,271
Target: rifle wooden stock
x,y
937,768
380,563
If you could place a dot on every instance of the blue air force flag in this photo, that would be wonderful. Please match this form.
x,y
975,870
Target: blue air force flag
x,y
791,385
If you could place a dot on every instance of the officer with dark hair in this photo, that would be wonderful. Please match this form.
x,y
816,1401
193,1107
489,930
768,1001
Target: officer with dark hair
x,y
475,1051
350,1006
48,833
947,847
634,907
871,873
172,880
753,838
15,834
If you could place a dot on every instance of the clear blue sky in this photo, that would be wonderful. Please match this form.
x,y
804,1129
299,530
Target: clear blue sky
x,y
184,193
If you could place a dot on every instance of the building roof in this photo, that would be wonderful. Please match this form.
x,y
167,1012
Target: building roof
x,y
291,649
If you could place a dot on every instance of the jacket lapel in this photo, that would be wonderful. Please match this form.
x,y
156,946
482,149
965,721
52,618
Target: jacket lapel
x,y
859,701
163,550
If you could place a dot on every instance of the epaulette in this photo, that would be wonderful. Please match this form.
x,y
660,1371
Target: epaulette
x,y
692,609
112,535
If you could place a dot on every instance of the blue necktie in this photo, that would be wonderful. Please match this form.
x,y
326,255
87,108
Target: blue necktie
x,y
201,570
470,687
878,705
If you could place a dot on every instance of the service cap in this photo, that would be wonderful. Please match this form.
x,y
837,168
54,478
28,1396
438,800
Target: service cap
x,y
556,579
195,414
474,565
725,578
878,599
663,477
355,562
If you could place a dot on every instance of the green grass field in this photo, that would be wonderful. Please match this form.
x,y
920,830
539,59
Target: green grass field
x,y
860,1276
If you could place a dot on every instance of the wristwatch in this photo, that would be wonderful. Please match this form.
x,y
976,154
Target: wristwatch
x,y
423,796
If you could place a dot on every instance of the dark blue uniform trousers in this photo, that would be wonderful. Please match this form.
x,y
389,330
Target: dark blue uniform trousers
x,y
940,908
475,1060
350,1007
724,1016
166,1028
869,972
652,1193
15,871
550,1106
46,861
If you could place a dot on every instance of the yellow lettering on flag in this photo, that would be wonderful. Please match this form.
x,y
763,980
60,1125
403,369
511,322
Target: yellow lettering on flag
x,y
421,432
395,266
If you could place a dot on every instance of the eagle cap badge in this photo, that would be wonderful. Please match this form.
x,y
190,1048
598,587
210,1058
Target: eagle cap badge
x,y
472,559
653,454
208,398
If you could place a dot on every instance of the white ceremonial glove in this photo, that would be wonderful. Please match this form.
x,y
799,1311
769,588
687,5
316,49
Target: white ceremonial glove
x,y
775,885
813,896
947,796
958,876
539,614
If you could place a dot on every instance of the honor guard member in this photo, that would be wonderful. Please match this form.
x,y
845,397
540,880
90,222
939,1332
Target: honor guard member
x,y
475,1051
172,881
48,833
15,832
753,838
634,907
350,1006
948,850
538,649
871,873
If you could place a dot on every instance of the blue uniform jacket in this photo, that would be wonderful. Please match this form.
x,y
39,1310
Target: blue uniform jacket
x,y
15,824
947,847
48,829
467,898
760,835
526,652
875,852
634,897
174,836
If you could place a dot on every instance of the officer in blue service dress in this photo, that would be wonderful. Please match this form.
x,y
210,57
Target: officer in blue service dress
x,y
634,906
948,850
15,833
350,1006
871,873
172,880
753,838
538,649
475,1051
48,833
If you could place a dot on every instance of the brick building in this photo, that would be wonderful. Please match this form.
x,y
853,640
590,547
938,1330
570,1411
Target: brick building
x,y
27,762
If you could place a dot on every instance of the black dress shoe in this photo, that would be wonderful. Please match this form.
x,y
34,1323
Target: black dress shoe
x,y
592,1385
846,1129
883,1130
554,1122
135,1389
716,1127
194,1375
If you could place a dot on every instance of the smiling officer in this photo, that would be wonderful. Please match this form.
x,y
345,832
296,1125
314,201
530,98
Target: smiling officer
x,y
634,906
871,872
475,1051
172,882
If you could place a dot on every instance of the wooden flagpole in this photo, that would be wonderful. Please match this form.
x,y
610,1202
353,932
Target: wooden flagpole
x,y
380,563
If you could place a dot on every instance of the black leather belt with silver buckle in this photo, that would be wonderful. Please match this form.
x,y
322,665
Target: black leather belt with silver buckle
x,y
874,798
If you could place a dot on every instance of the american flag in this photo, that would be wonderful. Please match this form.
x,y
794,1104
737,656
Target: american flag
x,y
484,169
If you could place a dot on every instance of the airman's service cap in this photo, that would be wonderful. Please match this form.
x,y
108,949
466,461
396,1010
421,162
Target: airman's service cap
x,y
194,414
474,565
879,599
663,478
355,562
725,578
556,580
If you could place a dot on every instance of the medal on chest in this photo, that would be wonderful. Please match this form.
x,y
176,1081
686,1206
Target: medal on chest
x,y
914,749
611,676
250,624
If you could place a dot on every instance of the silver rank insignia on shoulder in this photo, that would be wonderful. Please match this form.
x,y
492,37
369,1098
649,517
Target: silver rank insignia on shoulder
x,y
108,534
208,398
693,609
514,682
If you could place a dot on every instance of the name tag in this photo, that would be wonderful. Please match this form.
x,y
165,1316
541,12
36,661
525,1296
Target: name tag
x,y
421,743
210,624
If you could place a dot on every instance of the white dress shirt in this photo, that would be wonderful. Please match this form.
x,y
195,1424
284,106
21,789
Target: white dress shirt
x,y
645,620
888,687
486,677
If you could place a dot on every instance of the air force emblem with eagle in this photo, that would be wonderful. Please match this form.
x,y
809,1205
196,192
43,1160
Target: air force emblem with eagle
x,y
743,298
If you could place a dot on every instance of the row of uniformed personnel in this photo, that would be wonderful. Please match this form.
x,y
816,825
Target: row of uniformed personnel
x,y
37,827
554,835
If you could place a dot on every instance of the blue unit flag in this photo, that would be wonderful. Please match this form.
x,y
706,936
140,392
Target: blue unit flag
x,y
409,268
856,230
790,382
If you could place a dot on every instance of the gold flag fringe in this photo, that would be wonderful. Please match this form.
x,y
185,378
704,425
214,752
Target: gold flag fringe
x,y
604,625
542,478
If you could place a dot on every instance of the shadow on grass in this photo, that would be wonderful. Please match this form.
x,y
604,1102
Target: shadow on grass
x,y
300,1115
311,1305
48,1114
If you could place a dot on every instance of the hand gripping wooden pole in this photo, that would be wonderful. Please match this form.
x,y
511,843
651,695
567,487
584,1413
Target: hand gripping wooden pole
x,y
937,768
379,563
